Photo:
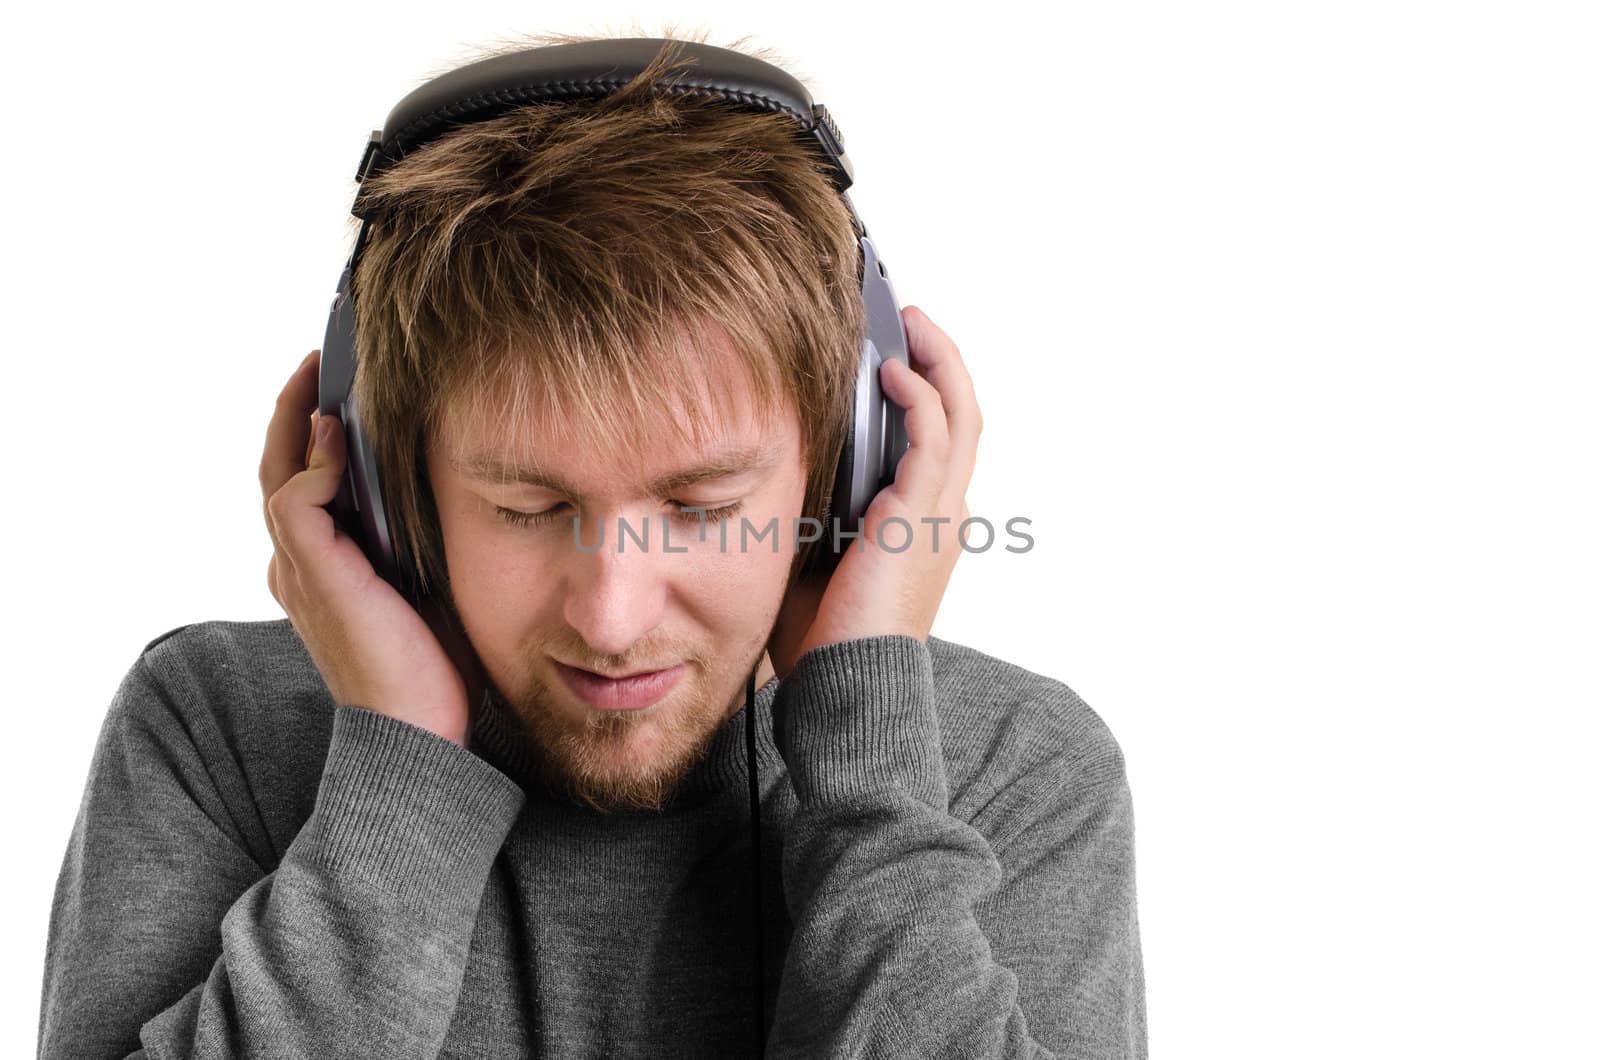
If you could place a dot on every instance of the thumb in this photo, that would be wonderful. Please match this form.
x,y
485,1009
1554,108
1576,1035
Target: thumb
x,y
320,449
325,460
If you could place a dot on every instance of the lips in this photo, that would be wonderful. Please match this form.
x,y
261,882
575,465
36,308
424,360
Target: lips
x,y
633,692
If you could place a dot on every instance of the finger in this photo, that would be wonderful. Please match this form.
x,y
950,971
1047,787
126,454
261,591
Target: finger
x,y
923,467
290,427
311,441
937,358
301,526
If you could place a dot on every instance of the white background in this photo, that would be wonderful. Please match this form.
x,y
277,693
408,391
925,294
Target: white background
x,y
1283,322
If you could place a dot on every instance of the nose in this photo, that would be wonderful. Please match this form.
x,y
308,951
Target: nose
x,y
615,599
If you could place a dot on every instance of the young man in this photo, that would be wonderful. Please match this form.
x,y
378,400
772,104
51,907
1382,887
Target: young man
x,y
511,820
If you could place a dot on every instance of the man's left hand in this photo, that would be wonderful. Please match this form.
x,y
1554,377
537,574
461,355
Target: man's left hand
x,y
875,591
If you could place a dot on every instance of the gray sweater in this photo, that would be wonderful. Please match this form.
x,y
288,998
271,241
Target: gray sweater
x,y
947,844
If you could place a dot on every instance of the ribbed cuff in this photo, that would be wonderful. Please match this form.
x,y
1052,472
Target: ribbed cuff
x,y
409,811
858,717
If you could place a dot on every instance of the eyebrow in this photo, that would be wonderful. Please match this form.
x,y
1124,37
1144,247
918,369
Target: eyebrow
x,y
487,467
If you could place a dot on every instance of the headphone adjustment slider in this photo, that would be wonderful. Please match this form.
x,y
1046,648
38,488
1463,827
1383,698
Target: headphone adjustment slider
x,y
832,141
373,143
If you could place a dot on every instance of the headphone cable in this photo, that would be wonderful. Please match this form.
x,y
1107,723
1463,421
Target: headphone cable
x,y
755,863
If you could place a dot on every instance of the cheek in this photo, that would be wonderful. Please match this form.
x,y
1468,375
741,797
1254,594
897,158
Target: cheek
x,y
739,585
494,571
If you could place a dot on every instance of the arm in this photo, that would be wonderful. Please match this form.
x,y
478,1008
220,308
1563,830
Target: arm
x,y
167,933
887,958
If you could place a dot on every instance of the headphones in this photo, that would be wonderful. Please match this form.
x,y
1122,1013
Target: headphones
x,y
875,436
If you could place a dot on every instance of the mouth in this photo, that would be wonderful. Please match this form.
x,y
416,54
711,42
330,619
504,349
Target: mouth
x,y
634,691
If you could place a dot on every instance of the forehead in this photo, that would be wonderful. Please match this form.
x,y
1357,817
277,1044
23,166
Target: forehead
x,y
623,427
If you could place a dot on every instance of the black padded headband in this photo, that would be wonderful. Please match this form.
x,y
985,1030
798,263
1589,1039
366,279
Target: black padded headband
x,y
592,69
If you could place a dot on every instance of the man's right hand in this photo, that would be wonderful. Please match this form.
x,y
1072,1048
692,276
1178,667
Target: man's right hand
x,y
373,649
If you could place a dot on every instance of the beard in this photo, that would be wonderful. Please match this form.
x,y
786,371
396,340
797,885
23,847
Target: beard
x,y
630,761
624,760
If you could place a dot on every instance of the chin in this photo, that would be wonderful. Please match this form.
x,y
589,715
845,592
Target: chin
x,y
627,761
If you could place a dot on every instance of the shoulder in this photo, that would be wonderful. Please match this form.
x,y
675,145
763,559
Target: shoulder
x,y
244,676
240,704
224,660
1016,741
987,702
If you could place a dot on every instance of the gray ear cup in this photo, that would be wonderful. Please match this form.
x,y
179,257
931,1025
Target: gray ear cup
x,y
875,438
886,334
358,507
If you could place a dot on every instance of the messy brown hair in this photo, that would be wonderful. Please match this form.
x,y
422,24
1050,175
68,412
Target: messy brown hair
x,y
579,253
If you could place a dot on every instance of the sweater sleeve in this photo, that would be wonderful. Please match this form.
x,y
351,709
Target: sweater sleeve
x,y
169,940
887,958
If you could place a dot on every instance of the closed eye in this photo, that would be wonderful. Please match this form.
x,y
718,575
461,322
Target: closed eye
x,y
550,515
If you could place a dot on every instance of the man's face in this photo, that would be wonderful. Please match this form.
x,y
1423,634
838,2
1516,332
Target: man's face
x,y
532,602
